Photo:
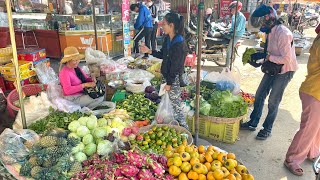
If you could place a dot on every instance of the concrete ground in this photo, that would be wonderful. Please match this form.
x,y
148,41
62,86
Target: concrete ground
x,y
264,159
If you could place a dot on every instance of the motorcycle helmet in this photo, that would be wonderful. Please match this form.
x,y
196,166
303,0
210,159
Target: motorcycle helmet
x,y
209,11
269,16
234,4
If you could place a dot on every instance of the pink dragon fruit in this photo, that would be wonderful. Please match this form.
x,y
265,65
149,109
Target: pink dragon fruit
x,y
129,170
156,167
120,158
168,177
126,131
145,173
163,161
122,178
134,178
134,130
117,172
136,159
153,156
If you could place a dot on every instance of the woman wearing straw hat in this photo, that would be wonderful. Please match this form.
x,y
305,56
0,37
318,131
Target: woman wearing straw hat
x,y
73,80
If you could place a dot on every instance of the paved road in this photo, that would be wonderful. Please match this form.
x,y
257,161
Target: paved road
x,y
265,159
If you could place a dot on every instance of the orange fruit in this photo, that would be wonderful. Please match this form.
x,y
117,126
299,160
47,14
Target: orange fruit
x,y
201,149
231,156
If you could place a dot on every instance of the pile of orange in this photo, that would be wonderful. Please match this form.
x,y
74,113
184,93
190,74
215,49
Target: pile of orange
x,y
191,162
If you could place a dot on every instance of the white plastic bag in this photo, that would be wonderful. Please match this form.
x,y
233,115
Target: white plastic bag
x,y
46,74
165,113
55,95
111,106
138,75
137,86
94,56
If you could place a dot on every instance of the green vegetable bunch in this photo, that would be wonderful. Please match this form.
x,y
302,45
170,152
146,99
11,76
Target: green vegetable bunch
x,y
56,119
225,104
139,107
246,57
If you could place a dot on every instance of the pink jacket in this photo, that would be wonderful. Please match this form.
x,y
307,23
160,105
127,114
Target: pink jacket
x,y
280,49
71,84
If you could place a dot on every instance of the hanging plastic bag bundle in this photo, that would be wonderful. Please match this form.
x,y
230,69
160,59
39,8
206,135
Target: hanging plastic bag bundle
x,y
165,113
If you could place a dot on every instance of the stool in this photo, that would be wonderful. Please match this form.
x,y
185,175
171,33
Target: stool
x,y
25,38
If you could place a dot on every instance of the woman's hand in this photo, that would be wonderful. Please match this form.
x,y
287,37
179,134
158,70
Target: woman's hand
x,y
167,87
145,49
88,84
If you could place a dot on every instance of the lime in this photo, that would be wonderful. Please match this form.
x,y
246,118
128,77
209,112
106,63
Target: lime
x,y
159,142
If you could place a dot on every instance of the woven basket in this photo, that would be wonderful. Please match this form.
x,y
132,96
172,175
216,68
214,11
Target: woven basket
x,y
224,120
5,59
6,51
176,127
29,90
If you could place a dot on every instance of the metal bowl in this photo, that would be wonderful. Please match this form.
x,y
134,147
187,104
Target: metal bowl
x,y
116,84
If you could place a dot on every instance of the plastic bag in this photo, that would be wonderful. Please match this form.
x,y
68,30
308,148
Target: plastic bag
x,y
55,95
111,106
165,113
137,86
46,74
110,66
138,75
38,108
94,56
14,144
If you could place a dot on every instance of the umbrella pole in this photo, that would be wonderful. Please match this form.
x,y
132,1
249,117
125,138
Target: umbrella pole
x,y
188,12
95,23
233,36
200,34
15,62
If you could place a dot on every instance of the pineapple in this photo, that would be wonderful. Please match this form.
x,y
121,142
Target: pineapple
x,y
25,169
49,141
34,161
75,168
35,171
73,141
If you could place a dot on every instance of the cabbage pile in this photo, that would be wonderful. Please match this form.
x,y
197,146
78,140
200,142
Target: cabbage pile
x,y
93,134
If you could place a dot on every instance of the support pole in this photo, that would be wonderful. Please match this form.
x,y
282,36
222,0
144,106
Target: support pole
x,y
233,36
95,23
15,63
188,12
200,38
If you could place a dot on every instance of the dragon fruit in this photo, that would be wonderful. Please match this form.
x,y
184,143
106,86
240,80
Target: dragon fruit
x,y
136,159
117,172
145,173
120,158
129,170
156,167
126,131
121,178
153,157
163,161
168,177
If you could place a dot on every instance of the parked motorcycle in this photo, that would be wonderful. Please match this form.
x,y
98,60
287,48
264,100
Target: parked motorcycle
x,y
300,21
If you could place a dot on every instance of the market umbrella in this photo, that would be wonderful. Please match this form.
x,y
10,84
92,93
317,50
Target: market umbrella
x,y
15,62
94,22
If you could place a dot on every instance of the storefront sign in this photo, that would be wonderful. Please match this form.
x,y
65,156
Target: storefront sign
x,y
126,27
224,11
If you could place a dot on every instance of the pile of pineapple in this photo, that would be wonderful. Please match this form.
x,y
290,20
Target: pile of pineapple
x,y
50,158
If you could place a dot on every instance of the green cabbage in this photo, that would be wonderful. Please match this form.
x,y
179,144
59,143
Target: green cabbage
x,y
102,122
92,123
87,139
104,147
78,148
73,126
100,132
82,131
90,149
83,121
80,156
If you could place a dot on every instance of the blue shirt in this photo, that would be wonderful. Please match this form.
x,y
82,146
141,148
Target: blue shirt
x,y
144,18
241,24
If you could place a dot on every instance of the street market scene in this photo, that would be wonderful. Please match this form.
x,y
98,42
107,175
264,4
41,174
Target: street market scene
x,y
153,89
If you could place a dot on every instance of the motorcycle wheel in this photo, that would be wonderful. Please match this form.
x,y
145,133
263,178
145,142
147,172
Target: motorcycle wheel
x,y
313,22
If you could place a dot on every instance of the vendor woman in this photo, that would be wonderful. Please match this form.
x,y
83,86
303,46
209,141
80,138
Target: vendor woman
x,y
173,53
73,80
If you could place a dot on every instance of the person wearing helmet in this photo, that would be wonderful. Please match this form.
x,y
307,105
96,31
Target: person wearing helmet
x,y
306,142
208,20
240,27
280,54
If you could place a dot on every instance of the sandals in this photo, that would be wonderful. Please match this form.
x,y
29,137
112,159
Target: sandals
x,y
294,168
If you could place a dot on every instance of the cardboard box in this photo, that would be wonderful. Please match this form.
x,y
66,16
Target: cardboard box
x,y
32,54
23,75
8,69
45,60
10,84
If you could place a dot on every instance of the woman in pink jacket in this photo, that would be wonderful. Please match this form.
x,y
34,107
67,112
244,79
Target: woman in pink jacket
x,y
71,83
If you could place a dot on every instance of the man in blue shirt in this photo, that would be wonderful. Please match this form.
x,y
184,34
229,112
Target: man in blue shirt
x,y
143,25
240,28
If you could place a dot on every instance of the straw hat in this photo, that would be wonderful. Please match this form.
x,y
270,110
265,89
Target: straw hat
x,y
71,53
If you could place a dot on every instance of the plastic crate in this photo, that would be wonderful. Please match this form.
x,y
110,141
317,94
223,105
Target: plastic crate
x,y
8,69
225,132
203,126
